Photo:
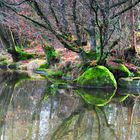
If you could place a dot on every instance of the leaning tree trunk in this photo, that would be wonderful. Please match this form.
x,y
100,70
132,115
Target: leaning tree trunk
x,y
133,43
7,40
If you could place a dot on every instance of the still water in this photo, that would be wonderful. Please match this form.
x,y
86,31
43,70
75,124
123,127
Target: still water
x,y
34,109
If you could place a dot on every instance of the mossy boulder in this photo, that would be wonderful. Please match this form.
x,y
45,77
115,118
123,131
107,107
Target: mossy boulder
x,y
22,55
98,97
129,82
119,70
97,77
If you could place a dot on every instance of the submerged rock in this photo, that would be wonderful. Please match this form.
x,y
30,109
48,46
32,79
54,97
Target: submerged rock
x,y
97,77
129,82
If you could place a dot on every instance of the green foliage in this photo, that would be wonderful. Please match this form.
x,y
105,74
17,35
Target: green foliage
x,y
51,55
90,55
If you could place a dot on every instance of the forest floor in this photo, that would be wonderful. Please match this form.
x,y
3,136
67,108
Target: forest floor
x,y
65,54
138,48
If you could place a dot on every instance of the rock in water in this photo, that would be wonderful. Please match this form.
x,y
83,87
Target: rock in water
x,y
129,82
119,70
97,77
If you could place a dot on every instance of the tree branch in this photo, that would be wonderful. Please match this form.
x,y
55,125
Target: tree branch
x,y
118,4
126,9
17,4
74,20
53,13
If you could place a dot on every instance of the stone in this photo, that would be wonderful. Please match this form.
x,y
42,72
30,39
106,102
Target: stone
x,y
97,77
97,97
31,65
49,72
129,82
137,74
119,70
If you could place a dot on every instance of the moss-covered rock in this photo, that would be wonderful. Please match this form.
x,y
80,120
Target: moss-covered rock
x,y
98,97
19,54
97,77
129,82
3,64
137,74
49,72
119,70
44,66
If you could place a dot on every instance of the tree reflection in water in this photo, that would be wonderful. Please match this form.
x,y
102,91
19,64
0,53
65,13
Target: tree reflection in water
x,y
33,110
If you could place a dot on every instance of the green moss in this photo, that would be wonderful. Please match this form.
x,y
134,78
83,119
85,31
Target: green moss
x,y
97,97
13,66
49,72
90,55
2,59
5,62
44,66
137,74
120,70
51,55
21,77
21,55
97,77
124,69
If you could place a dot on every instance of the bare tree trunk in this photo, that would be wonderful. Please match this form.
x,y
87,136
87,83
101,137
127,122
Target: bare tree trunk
x,y
63,21
7,40
92,34
133,44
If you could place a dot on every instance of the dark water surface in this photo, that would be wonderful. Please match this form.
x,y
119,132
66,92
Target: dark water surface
x,y
34,109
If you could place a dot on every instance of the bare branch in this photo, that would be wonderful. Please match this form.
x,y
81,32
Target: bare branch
x,y
125,10
118,4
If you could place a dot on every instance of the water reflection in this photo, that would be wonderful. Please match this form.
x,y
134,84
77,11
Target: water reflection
x,y
32,110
